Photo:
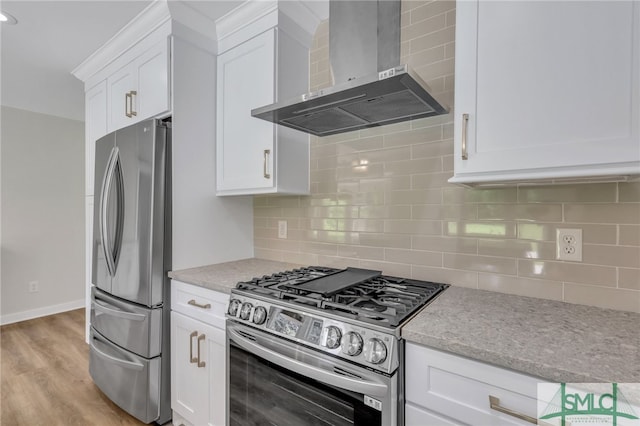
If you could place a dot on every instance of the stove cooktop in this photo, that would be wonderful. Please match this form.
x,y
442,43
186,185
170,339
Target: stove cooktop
x,y
360,294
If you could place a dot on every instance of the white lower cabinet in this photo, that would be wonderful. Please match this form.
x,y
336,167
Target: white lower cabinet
x,y
417,416
198,356
445,389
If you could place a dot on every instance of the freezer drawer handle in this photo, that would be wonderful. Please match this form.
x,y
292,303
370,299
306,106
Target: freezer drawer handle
x,y
494,403
118,313
192,359
200,339
114,360
192,302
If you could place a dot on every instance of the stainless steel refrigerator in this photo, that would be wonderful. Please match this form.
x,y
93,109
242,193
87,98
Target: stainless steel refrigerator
x,y
129,338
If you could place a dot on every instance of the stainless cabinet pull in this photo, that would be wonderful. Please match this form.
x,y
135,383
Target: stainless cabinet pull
x,y
465,123
494,403
127,103
192,302
265,165
131,110
192,359
200,339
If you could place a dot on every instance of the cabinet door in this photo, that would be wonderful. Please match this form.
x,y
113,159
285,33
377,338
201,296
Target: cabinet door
x,y
120,88
416,416
95,128
152,71
460,390
245,145
215,352
551,89
198,365
140,89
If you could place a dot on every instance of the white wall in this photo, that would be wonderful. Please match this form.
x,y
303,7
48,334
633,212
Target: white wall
x,y
42,202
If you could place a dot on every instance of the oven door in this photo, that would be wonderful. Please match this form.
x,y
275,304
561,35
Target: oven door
x,y
276,382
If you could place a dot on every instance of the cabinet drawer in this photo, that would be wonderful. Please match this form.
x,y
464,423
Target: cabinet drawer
x,y
417,416
460,388
200,303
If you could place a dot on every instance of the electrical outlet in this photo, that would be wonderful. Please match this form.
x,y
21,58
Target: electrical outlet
x,y
33,286
282,229
569,244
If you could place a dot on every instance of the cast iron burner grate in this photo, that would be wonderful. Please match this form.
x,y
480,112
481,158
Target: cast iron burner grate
x,y
378,299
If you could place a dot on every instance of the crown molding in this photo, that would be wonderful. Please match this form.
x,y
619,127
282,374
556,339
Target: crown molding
x,y
255,16
252,16
138,28
193,19
243,16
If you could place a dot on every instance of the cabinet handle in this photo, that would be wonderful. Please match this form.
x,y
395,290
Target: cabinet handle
x,y
192,359
265,164
127,104
200,339
465,123
132,112
494,403
192,302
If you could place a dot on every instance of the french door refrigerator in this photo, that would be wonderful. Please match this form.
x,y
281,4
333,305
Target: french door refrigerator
x,y
129,337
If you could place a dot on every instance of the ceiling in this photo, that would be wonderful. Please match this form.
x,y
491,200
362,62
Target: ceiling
x,y
52,37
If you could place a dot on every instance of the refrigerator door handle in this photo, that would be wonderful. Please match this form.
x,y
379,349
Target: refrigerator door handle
x,y
117,312
111,253
125,364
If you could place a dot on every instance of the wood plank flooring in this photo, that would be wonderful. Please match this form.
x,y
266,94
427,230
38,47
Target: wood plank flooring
x,y
44,369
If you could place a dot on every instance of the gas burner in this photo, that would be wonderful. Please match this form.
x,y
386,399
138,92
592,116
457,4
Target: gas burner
x,y
357,294
369,305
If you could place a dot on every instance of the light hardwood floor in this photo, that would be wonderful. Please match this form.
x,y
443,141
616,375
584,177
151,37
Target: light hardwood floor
x,y
44,368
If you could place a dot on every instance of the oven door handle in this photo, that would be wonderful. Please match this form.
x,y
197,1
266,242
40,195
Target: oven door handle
x,y
322,371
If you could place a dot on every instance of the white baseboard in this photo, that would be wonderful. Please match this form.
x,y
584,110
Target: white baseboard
x,y
41,312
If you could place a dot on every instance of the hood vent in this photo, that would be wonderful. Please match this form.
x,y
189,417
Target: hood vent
x,y
371,88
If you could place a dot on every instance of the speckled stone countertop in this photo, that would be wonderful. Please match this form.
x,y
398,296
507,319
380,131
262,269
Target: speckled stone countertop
x,y
224,276
556,341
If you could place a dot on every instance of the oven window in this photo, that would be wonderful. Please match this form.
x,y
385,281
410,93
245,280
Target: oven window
x,y
261,393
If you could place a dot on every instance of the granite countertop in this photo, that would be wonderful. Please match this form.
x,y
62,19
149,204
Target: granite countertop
x,y
224,276
556,341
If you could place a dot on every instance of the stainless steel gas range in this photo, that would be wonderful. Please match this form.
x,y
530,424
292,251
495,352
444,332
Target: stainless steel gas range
x,y
320,346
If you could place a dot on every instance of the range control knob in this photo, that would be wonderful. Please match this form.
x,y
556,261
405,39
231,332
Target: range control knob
x,y
375,351
259,315
333,337
234,305
245,310
352,344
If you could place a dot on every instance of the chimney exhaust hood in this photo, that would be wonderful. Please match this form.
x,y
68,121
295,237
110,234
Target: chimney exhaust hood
x,y
371,88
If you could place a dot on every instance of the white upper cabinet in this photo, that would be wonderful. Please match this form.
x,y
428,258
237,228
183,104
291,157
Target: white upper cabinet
x,y
254,156
140,89
550,90
245,145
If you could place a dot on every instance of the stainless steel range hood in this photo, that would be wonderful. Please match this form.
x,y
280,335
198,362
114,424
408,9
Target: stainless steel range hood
x,y
371,88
